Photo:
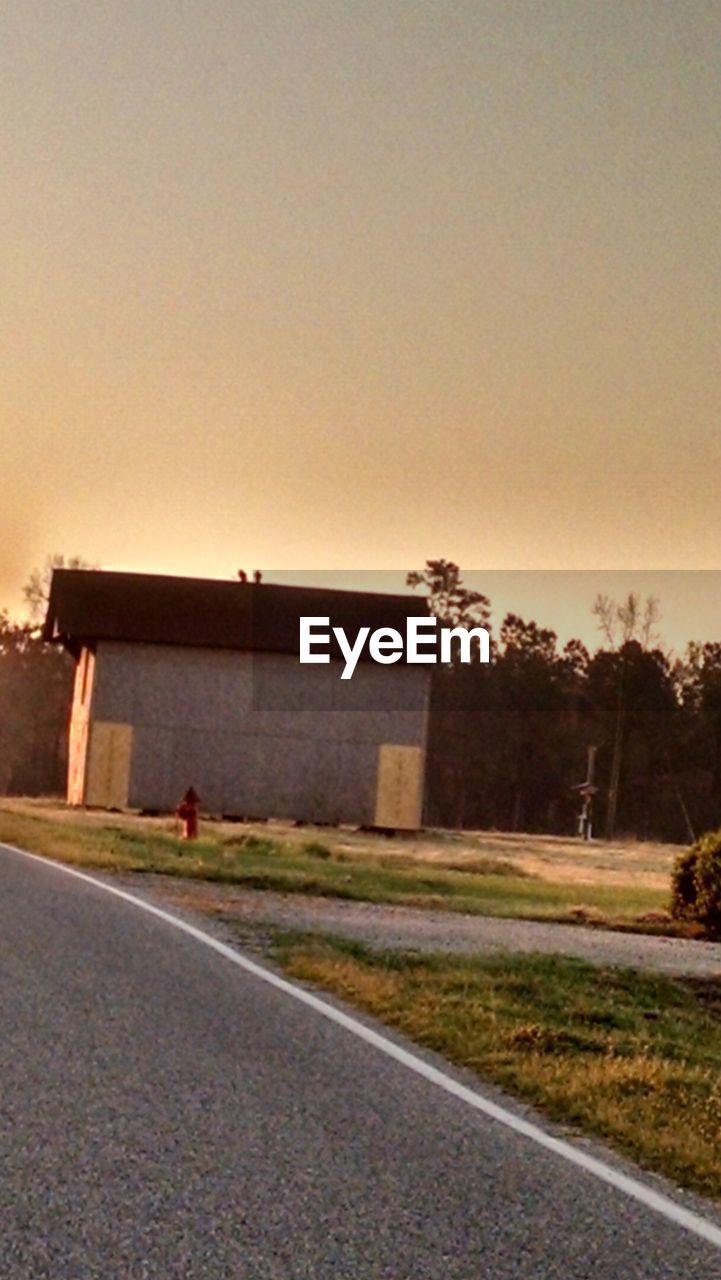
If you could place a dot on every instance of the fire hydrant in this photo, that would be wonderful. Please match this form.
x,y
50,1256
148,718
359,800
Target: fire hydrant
x,y
188,813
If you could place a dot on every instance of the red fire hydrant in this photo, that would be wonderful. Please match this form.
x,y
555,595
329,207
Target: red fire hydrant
x,y
188,813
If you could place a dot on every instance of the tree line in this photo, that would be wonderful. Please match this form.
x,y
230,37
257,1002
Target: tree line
x,y
508,742
36,682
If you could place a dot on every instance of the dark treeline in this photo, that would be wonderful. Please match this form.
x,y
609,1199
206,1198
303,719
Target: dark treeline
x,y
36,682
35,691
509,741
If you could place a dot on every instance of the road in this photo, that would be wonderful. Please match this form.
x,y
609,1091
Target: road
x,y
165,1113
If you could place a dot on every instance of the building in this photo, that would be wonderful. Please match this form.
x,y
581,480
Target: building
x,y
184,681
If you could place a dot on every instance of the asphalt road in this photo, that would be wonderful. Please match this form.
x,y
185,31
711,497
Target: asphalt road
x,y
164,1114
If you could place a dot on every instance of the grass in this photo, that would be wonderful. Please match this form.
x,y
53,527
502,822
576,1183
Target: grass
x,y
629,1057
487,886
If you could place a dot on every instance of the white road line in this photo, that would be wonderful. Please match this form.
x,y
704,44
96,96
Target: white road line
x,y
653,1200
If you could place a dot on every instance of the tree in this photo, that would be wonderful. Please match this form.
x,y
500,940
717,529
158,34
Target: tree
x,y
699,683
632,696
35,690
449,601
458,699
538,736
630,621
37,588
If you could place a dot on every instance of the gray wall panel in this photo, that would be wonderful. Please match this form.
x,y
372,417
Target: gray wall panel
x,y
207,718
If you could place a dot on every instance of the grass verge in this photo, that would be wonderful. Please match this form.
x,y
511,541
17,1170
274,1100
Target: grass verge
x,y
488,887
625,1056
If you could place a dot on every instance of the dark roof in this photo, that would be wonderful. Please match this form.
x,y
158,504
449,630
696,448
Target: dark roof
x,y
88,605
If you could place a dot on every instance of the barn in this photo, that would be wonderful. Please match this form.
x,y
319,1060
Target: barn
x,y
188,681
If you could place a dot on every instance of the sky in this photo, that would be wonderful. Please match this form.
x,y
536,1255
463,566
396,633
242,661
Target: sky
x,y
320,285
686,604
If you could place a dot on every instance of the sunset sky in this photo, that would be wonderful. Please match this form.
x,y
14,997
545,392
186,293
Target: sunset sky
x,y
315,284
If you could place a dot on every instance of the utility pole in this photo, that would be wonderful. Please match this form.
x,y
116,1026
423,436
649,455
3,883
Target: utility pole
x,y
587,791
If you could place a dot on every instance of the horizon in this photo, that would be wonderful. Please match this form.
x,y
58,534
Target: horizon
x,y
560,600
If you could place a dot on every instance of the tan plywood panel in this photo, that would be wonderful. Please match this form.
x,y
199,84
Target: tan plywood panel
x,y
77,757
399,795
79,727
107,779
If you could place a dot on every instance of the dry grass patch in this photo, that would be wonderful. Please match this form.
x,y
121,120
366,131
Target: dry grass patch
x,y
332,864
627,1056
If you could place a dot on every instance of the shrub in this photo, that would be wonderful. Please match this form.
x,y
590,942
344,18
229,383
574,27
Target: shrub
x,y
683,883
696,883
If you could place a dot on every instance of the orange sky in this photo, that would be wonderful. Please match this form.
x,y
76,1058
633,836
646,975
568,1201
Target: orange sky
x,y
326,285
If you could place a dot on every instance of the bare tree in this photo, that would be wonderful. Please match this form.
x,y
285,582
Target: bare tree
x,y
631,619
620,623
37,587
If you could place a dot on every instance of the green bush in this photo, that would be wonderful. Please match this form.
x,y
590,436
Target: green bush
x,y
683,883
696,883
